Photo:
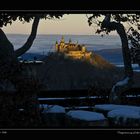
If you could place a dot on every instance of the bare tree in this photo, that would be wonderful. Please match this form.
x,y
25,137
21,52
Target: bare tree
x,y
107,25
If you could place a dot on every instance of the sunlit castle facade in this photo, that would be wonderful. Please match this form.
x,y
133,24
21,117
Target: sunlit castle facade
x,y
73,50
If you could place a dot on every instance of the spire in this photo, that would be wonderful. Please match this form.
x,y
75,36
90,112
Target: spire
x,y
62,39
56,46
70,40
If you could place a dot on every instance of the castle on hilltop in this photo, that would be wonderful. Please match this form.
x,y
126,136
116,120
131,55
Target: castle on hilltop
x,y
73,50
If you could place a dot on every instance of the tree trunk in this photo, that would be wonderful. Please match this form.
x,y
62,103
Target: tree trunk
x,y
7,58
30,40
12,79
6,47
121,86
9,66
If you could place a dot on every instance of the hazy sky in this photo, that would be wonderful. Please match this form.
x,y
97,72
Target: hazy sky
x,y
69,24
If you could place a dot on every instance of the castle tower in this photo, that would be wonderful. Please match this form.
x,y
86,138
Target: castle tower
x,y
83,49
56,47
76,44
62,44
62,40
70,41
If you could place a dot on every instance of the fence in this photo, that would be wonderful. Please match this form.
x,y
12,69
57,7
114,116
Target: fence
x,y
82,99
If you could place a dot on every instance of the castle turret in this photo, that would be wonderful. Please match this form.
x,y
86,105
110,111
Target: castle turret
x,y
83,49
62,40
70,41
62,44
76,44
56,46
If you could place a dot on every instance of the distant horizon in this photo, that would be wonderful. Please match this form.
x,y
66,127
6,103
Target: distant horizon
x,y
73,24
60,34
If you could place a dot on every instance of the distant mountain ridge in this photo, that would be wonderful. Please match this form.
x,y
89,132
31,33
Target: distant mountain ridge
x,y
112,55
31,56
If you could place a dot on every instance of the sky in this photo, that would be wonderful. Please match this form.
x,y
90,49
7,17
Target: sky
x,y
69,24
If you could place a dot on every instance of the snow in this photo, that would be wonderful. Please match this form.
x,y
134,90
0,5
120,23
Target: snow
x,y
91,97
53,109
28,62
41,99
115,97
45,106
38,61
110,107
135,65
86,115
131,96
120,83
124,113
21,109
123,82
120,111
137,70
79,107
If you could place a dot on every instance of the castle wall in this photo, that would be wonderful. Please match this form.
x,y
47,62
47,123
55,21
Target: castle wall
x,y
72,50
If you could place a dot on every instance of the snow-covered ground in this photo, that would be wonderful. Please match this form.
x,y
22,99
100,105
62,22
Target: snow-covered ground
x,y
122,82
124,113
125,117
135,67
132,96
42,106
30,62
42,99
79,107
91,97
110,107
86,115
52,108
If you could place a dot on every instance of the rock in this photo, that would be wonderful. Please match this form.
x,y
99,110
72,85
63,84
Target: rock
x,y
124,117
54,109
53,116
79,118
105,108
43,107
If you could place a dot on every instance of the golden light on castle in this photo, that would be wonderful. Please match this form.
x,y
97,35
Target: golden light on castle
x,y
73,50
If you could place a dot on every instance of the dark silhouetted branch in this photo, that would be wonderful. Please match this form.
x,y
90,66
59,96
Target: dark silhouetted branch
x,y
126,83
30,40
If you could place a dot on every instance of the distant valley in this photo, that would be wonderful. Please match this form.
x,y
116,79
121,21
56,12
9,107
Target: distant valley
x,y
112,55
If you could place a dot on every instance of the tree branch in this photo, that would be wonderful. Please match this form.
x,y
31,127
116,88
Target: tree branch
x,y
30,40
125,49
126,83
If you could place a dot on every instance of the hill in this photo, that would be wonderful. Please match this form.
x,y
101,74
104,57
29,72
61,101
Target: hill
x,y
60,73
98,61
